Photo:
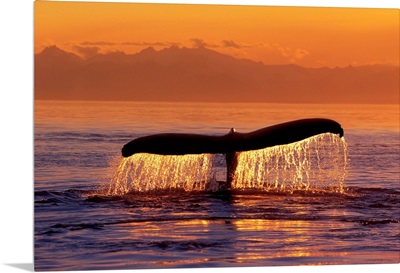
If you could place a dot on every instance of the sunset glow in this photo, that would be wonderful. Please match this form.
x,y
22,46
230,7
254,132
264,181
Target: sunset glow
x,y
310,37
207,136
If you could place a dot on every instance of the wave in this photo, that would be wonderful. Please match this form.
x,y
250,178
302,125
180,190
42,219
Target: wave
x,y
56,197
361,207
101,195
248,215
373,221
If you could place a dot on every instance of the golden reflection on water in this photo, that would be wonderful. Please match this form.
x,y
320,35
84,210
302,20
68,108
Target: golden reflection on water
x,y
201,225
296,232
243,240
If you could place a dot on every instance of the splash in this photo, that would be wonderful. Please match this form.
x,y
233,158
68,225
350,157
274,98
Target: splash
x,y
313,164
149,172
316,163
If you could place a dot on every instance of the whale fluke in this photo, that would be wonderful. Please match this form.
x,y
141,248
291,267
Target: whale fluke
x,y
181,144
232,143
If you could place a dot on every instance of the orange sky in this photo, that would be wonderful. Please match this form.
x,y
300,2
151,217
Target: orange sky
x,y
311,37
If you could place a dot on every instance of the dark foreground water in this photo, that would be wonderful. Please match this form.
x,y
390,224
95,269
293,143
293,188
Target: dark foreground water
x,y
81,224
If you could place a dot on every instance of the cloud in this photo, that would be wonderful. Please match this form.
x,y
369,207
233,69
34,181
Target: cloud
x,y
195,42
129,43
230,43
87,52
97,43
293,55
300,53
237,45
150,43
198,43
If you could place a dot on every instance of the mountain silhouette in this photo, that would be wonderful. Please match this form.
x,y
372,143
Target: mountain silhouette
x,y
201,74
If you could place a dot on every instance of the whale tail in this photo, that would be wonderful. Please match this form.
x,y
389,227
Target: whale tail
x,y
232,143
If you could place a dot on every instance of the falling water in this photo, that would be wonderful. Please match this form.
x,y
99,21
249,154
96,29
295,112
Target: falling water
x,y
316,163
148,172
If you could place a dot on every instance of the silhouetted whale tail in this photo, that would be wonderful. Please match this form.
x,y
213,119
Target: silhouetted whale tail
x,y
232,143
181,144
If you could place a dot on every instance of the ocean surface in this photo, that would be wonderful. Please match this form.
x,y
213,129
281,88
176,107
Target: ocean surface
x,y
319,202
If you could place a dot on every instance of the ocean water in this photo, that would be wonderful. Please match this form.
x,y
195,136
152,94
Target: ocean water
x,y
319,202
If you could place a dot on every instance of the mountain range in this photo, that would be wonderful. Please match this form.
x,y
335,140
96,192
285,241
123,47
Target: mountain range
x,y
201,74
